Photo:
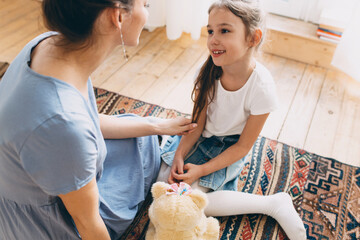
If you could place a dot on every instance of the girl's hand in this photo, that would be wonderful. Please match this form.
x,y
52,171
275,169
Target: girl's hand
x,y
177,126
193,173
176,168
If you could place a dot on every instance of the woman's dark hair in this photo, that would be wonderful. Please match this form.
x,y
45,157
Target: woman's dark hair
x,y
74,19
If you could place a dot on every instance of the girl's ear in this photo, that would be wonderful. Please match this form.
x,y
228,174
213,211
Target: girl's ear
x,y
256,38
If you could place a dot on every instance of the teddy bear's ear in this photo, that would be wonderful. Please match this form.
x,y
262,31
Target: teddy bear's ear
x,y
199,198
159,189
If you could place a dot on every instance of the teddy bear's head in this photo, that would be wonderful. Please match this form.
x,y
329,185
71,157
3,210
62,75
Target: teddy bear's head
x,y
176,210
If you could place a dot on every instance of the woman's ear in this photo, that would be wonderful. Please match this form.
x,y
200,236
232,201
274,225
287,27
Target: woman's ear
x,y
116,17
256,38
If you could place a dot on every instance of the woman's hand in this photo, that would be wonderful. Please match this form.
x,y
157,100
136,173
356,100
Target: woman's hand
x,y
177,126
193,173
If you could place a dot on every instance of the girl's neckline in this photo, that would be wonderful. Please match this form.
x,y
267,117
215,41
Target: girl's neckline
x,y
243,86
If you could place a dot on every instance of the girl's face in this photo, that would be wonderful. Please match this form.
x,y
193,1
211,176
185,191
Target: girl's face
x,y
227,40
134,22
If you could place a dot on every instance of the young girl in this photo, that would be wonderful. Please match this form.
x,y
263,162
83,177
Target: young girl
x,y
234,95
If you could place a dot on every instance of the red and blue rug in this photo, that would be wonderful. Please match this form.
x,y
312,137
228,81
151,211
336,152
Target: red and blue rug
x,y
325,192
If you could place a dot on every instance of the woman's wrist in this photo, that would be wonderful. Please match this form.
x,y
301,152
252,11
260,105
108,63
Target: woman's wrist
x,y
175,126
162,127
156,128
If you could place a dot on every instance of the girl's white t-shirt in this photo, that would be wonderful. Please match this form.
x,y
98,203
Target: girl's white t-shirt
x,y
229,111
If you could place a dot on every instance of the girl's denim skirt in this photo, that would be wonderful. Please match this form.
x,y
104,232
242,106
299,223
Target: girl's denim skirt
x,y
204,150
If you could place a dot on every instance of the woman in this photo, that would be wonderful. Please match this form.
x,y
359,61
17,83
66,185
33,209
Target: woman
x,y
59,179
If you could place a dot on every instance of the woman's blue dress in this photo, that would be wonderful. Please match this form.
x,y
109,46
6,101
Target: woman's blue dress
x,y
51,144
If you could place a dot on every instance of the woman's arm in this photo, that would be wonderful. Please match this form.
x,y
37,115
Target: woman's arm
x,y
83,206
116,128
234,153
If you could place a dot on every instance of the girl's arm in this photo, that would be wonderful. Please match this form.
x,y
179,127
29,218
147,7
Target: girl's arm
x,y
116,128
83,206
185,145
234,153
189,140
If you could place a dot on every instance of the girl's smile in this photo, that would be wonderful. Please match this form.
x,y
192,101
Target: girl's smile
x,y
217,53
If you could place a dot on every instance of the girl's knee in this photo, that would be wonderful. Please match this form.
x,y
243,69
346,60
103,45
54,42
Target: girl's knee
x,y
196,185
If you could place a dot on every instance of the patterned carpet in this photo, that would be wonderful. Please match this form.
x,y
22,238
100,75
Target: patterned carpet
x,y
325,192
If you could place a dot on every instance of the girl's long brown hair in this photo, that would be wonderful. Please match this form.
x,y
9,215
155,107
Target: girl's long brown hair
x,y
205,83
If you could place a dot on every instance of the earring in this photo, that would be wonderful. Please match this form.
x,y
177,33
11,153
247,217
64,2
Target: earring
x,y
123,46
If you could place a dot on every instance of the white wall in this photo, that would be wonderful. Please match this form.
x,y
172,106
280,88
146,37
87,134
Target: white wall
x,y
308,10
288,8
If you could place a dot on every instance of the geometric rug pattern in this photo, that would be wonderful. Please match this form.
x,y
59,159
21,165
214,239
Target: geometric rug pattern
x,y
331,206
325,192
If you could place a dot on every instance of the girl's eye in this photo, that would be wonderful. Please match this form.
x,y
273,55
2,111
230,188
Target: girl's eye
x,y
147,5
224,31
210,32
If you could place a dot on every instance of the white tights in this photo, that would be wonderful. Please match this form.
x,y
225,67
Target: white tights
x,y
226,203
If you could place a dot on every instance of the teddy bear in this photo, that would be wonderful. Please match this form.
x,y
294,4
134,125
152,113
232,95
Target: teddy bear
x,y
177,213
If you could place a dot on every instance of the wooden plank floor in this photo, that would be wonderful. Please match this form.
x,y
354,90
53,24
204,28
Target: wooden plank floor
x,y
319,111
